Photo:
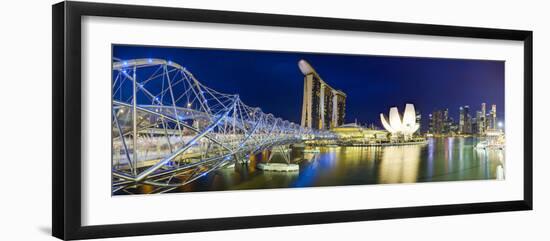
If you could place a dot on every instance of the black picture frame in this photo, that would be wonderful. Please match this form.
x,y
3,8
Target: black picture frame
x,y
66,127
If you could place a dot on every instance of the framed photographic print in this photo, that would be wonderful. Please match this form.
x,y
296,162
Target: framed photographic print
x,y
170,120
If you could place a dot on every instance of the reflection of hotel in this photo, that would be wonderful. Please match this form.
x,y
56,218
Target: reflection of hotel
x,y
323,107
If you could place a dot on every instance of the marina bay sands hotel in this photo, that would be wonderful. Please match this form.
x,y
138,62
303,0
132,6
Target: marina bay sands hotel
x,y
323,106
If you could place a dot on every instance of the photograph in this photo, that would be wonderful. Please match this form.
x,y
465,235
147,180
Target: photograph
x,y
190,119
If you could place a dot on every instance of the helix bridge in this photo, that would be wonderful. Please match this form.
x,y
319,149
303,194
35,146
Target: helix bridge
x,y
169,129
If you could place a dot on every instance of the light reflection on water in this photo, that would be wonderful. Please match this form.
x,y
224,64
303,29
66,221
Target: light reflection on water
x,y
399,164
441,159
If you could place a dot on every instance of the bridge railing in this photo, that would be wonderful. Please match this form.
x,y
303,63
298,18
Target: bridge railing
x,y
168,129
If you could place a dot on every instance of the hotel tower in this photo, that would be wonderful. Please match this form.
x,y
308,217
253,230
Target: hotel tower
x,y
323,107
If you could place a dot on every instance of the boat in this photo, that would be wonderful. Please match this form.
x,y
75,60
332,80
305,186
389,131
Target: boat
x,y
482,145
485,145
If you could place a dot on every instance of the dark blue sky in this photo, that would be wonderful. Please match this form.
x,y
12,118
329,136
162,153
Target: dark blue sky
x,y
373,84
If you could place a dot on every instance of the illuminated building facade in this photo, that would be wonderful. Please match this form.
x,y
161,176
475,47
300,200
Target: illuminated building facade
x,y
482,119
323,107
494,124
353,133
397,126
419,121
465,120
437,122
477,123
441,123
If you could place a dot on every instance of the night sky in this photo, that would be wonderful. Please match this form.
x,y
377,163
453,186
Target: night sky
x,y
373,84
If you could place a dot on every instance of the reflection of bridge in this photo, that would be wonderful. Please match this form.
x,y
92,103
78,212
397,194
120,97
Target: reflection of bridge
x,y
168,129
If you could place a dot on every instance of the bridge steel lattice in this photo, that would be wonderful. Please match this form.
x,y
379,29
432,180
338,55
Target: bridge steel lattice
x,y
169,129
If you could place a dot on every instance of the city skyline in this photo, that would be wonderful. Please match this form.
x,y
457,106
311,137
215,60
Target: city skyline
x,y
373,83
179,124
470,121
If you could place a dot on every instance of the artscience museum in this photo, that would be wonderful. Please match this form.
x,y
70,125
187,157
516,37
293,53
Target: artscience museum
x,y
401,127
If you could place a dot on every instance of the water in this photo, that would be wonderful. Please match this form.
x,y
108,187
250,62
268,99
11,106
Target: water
x,y
441,159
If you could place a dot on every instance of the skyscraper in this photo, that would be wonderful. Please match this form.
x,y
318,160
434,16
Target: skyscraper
x,y
430,123
419,121
339,108
323,107
461,120
446,121
482,119
465,122
480,122
494,116
438,122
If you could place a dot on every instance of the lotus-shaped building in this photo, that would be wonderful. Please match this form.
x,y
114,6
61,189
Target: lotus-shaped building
x,y
405,126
